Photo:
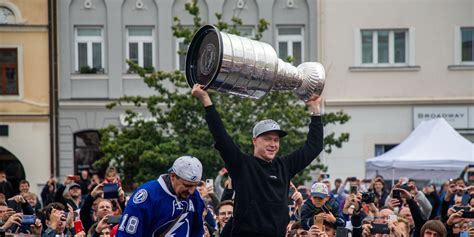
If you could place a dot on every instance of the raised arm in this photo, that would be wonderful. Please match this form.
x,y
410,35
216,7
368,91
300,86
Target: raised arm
x,y
229,151
302,157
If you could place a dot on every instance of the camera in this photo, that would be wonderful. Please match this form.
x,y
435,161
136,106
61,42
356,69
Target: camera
x,y
458,208
405,186
378,228
324,176
368,197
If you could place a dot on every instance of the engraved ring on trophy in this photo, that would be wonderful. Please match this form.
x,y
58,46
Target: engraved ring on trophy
x,y
247,68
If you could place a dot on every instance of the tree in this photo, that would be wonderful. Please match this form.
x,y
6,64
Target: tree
x,y
146,149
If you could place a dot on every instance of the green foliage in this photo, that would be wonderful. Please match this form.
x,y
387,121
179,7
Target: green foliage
x,y
146,149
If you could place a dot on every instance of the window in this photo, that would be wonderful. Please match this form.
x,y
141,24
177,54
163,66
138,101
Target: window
x,y
140,48
7,16
380,149
467,49
89,50
290,43
8,71
384,47
86,150
181,50
246,31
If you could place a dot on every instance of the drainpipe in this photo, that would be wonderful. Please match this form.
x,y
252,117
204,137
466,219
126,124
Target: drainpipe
x,y
56,82
51,96
53,87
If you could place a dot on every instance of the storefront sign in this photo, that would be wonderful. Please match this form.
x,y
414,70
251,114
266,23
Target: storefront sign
x,y
456,116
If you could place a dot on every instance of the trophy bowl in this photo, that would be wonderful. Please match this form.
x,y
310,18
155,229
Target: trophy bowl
x,y
244,67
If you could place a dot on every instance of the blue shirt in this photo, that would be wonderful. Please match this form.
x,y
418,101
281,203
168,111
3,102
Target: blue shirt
x,y
153,207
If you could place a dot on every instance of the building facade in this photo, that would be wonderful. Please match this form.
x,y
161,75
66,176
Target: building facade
x,y
392,64
25,80
97,37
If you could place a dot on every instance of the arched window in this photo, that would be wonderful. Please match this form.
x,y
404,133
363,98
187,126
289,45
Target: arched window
x,y
86,150
7,16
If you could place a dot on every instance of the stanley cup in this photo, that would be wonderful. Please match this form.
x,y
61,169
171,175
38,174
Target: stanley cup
x,y
247,68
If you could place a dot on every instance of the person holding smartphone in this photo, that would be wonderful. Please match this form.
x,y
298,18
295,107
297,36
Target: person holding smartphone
x,y
261,180
74,190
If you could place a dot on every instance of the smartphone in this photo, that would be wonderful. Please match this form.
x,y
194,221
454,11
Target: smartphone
x,y
468,214
378,228
464,234
110,191
114,219
342,232
318,221
74,177
209,183
28,220
353,189
396,194
78,227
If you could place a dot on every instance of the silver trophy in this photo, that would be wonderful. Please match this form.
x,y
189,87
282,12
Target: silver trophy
x,y
247,68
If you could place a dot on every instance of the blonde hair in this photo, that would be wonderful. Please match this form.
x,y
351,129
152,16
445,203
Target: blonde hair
x,y
29,195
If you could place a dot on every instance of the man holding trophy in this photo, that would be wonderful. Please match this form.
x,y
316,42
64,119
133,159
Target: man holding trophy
x,y
247,68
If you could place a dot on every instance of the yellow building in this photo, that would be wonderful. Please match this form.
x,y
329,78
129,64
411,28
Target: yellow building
x,y
26,130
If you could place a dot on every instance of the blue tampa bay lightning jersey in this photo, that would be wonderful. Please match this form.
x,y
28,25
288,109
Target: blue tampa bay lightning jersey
x,y
152,208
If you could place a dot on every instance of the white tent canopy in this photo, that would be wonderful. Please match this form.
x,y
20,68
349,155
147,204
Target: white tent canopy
x,y
434,150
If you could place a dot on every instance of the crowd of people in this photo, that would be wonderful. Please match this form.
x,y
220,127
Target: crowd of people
x,y
251,196
362,207
77,206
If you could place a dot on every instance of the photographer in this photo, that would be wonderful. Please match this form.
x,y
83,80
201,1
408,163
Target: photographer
x,y
434,199
57,221
455,191
19,204
320,203
103,208
395,228
418,218
73,196
458,218
423,202
354,187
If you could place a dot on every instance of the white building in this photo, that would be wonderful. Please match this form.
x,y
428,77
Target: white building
x,y
391,64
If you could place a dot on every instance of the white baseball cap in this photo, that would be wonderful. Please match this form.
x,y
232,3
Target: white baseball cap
x,y
319,190
188,168
267,125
